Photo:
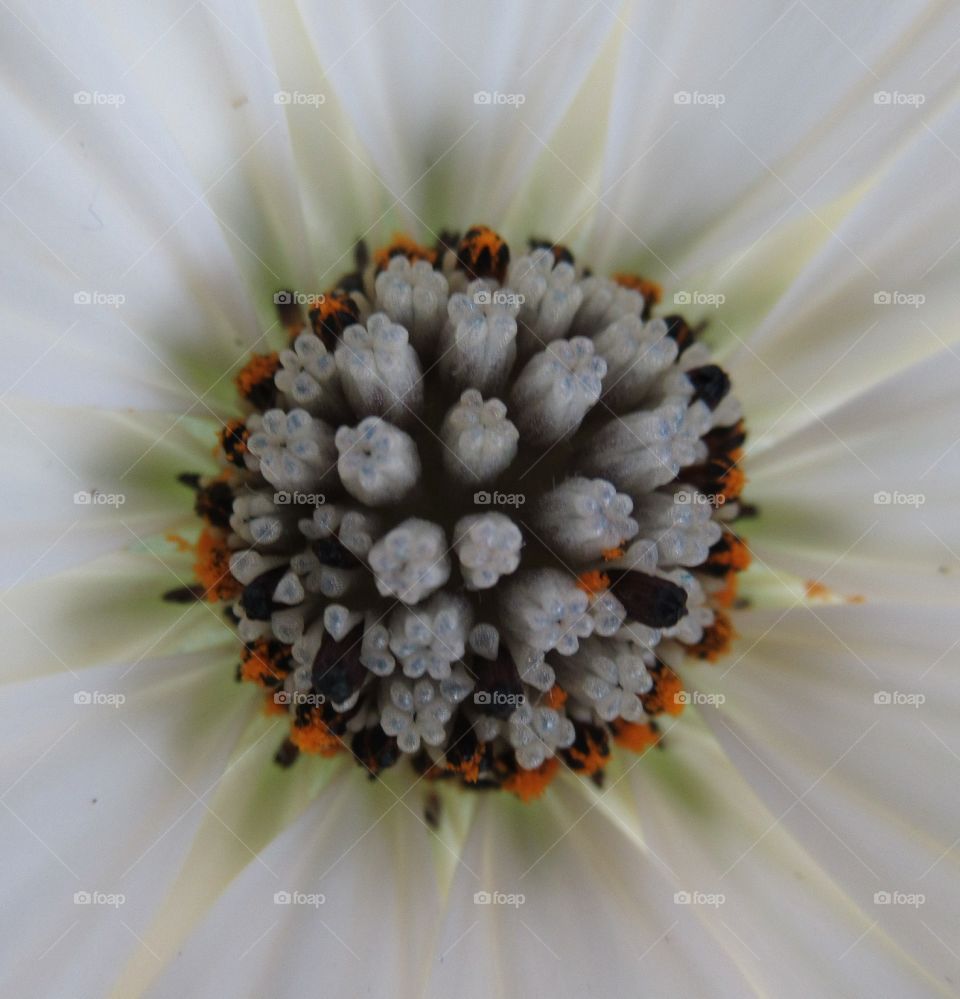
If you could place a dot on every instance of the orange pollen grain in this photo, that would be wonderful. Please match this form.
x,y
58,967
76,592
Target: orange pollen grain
x,y
734,555
257,370
635,736
315,737
733,482
725,596
402,244
593,581
530,784
469,769
611,553
271,707
592,760
555,697
212,567
663,698
716,639
257,665
180,541
651,290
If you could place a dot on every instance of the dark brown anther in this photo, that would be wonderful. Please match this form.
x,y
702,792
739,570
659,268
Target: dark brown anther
x,y
257,598
499,689
710,384
337,671
287,754
334,553
374,749
679,330
651,600
214,503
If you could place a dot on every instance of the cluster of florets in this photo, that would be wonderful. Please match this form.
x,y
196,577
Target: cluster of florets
x,y
476,511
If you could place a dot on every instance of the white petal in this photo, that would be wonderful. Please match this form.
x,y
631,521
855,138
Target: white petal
x,y
798,125
108,611
100,206
787,925
81,482
369,857
864,500
802,721
597,916
879,294
103,798
409,75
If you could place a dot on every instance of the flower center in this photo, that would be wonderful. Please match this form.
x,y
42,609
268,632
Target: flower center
x,y
476,513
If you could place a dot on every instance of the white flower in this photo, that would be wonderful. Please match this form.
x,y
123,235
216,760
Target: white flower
x,y
789,174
